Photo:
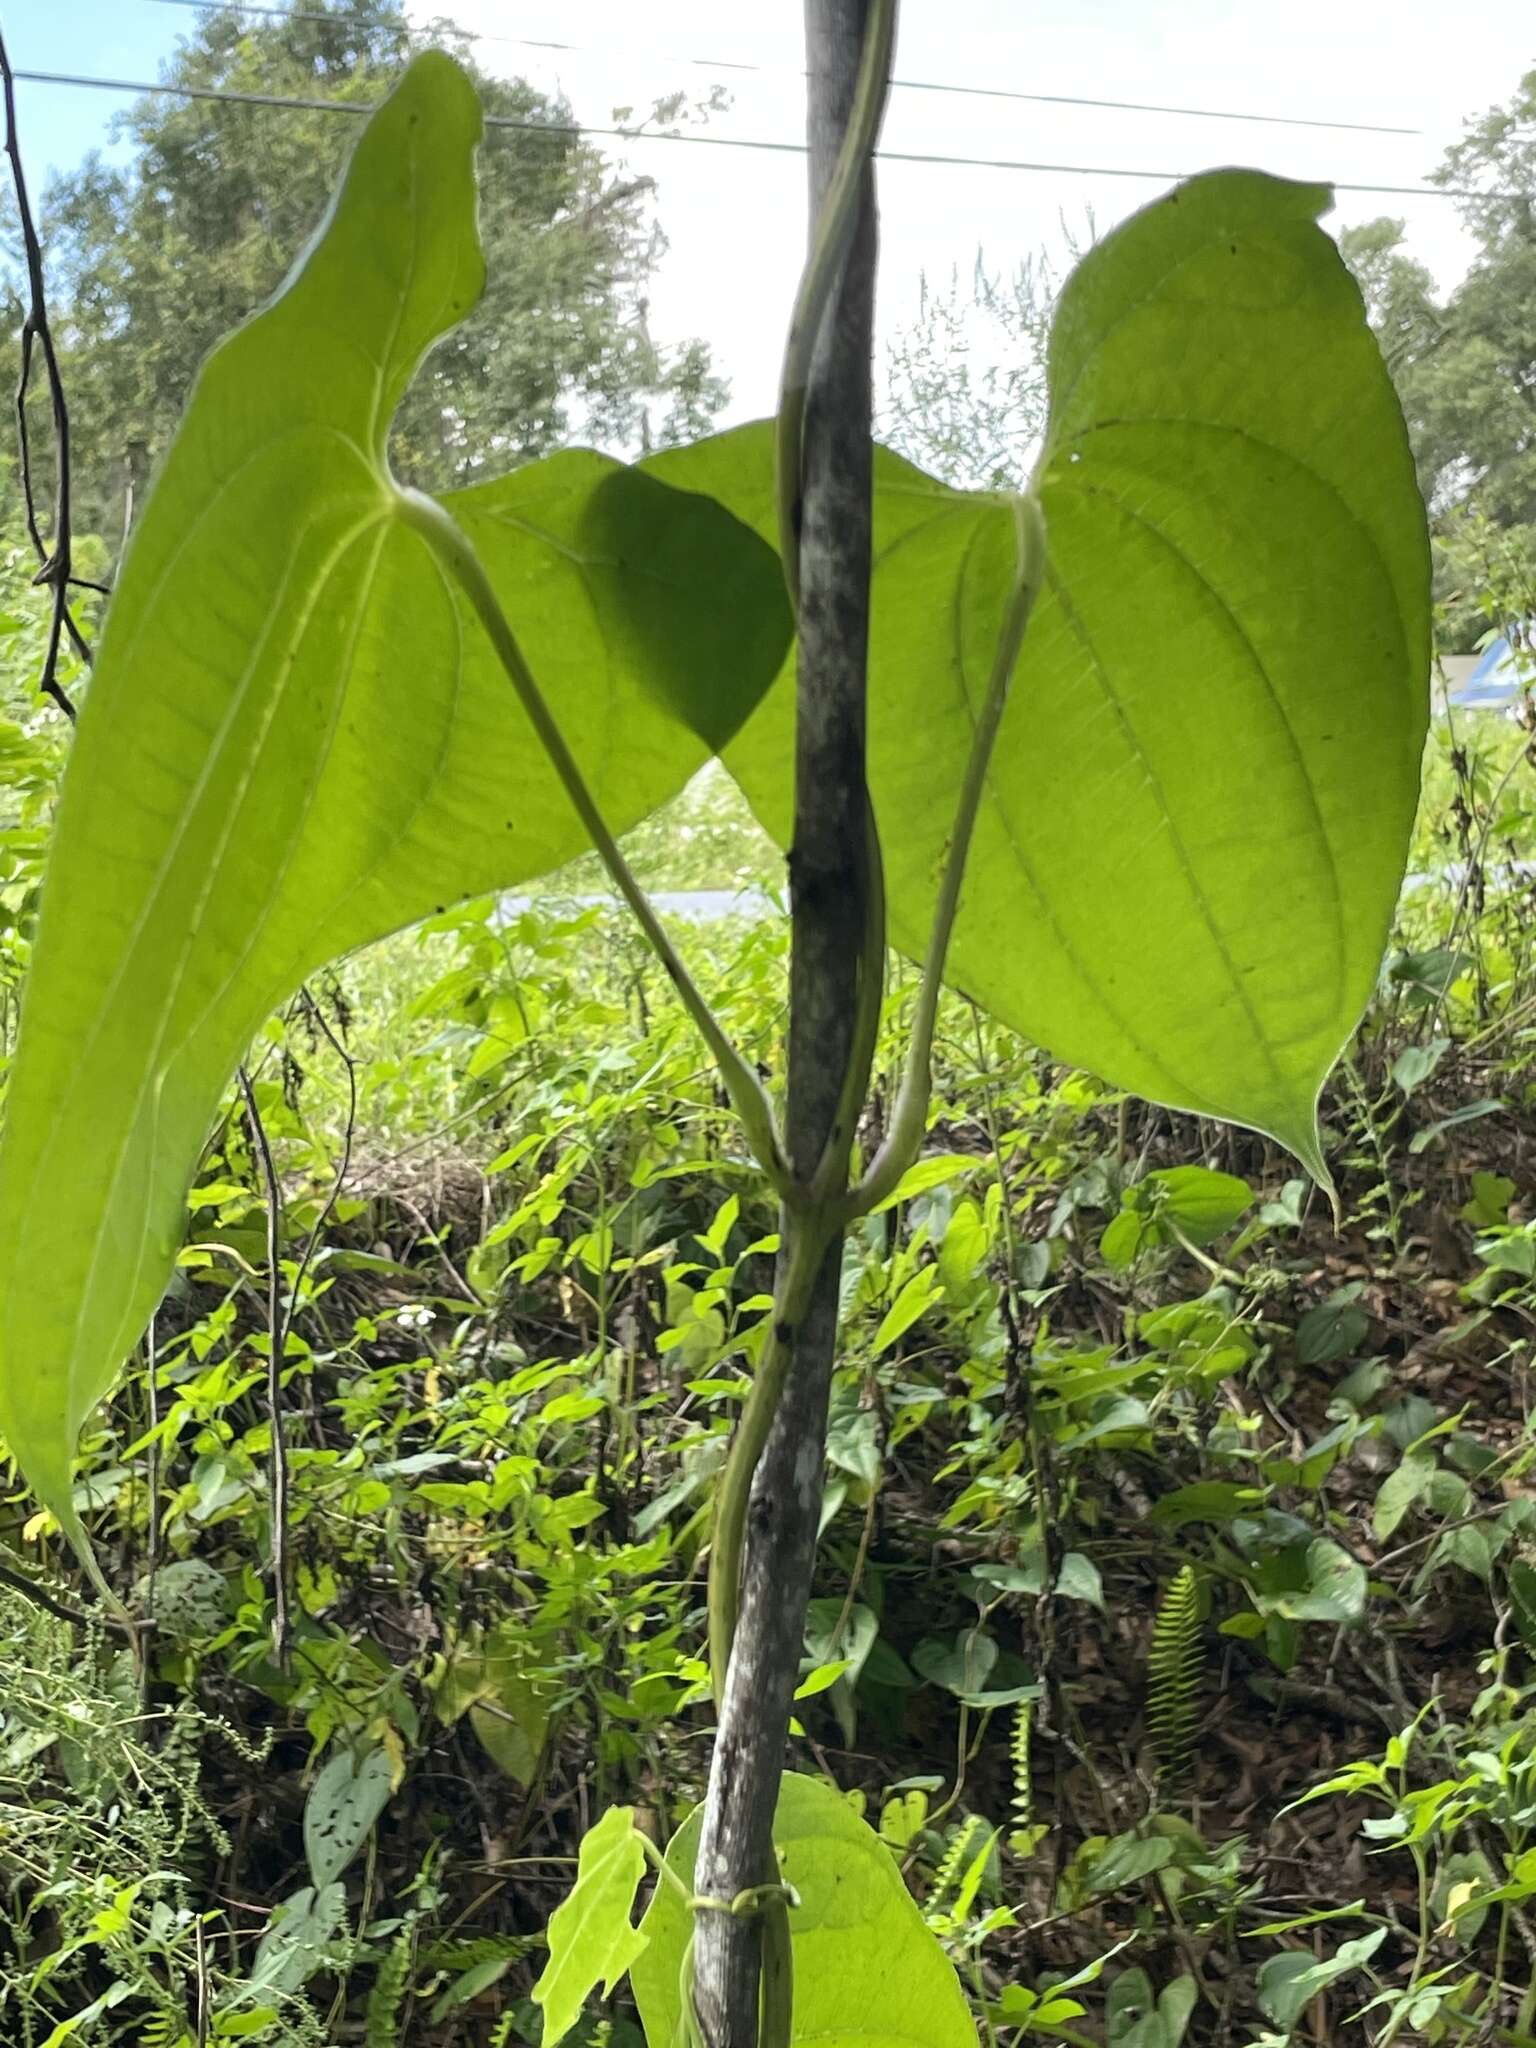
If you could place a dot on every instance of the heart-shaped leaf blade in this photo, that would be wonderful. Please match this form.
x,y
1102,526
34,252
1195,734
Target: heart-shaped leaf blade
x,y
298,738
868,1973
1198,808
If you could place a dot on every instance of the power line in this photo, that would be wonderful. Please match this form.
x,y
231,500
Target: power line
x,y
985,92
632,135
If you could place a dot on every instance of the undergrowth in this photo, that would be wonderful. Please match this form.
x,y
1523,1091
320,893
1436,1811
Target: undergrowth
x,y
1176,1602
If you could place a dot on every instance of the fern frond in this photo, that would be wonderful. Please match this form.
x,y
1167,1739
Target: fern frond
x,y
163,2029
1023,1801
1175,1663
471,1952
387,1995
947,1876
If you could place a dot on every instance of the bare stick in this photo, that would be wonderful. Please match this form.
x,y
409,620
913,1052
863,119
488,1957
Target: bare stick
x,y
56,569
828,879
277,1343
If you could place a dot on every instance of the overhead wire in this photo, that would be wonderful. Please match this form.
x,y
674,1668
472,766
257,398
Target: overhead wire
x,y
991,92
579,129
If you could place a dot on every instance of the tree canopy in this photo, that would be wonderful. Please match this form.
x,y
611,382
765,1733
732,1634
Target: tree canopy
x,y
1465,363
152,261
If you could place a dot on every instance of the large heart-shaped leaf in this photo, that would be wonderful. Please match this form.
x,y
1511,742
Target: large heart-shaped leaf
x,y
868,1973
298,739
1199,804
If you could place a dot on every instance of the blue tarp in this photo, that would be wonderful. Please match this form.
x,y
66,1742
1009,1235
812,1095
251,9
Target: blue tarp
x,y
1495,683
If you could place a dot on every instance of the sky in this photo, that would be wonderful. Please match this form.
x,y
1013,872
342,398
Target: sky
x,y
734,218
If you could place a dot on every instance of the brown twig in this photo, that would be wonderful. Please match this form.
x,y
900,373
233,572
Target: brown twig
x,y
55,570
348,1136
277,1343
49,1602
64,1610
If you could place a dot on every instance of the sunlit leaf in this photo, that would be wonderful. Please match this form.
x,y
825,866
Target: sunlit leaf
x,y
1198,811
297,738
591,1938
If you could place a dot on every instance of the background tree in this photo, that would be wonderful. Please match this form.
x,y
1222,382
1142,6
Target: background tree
x,y
1465,365
153,261
965,380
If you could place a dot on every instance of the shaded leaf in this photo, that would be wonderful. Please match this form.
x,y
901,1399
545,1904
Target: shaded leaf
x,y
1333,1330
1136,2017
1470,1112
1415,1063
1128,1859
1400,1490
1522,1595
297,1939
1079,1579
1287,1983
345,1800
1200,1202
1336,1587
868,1973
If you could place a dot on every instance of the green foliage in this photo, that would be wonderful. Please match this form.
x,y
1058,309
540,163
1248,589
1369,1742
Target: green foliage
x,y
1188,1204
344,1802
867,1971
971,408
317,795
1222,434
1289,1982
1139,2017
591,1938
153,260
1463,360
387,1994
106,1828
519,1344
1174,1667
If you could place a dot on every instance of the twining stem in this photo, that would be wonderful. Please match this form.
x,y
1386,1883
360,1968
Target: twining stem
x,y
807,1236
910,1115
747,1095
743,1994
809,1224
835,224
831,1176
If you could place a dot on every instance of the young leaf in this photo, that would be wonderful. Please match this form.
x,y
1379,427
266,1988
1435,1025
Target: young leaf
x,y
868,1973
1288,1982
1200,798
1199,1203
298,739
1135,2017
591,1939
